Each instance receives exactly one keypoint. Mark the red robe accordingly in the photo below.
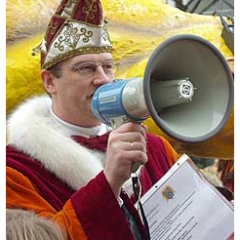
(91, 211)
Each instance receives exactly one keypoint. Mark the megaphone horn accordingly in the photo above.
(187, 89)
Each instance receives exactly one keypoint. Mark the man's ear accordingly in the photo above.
(48, 81)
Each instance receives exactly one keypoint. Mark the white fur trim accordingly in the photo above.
(32, 130)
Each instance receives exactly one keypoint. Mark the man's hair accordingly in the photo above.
(26, 225)
(56, 70)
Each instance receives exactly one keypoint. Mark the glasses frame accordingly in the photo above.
(91, 68)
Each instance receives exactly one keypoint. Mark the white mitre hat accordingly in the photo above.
(76, 28)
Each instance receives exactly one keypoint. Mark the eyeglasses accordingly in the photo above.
(88, 69)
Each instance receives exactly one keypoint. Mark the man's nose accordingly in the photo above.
(100, 77)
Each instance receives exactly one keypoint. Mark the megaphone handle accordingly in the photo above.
(135, 167)
(117, 122)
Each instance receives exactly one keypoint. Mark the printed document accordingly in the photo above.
(184, 205)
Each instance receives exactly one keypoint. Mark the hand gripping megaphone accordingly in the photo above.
(187, 89)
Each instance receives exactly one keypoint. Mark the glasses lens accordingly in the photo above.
(109, 68)
(86, 69)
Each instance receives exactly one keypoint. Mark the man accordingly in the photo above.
(62, 163)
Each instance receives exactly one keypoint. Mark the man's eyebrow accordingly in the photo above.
(109, 59)
(91, 61)
(81, 62)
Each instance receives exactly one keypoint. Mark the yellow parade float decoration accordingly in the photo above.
(136, 28)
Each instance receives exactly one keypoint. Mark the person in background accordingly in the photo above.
(26, 225)
(226, 170)
(62, 162)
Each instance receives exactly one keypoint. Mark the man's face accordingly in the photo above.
(73, 90)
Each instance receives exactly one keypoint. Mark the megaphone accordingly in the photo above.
(187, 89)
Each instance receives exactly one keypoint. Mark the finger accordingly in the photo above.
(136, 156)
(132, 127)
(116, 139)
(135, 146)
(132, 137)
